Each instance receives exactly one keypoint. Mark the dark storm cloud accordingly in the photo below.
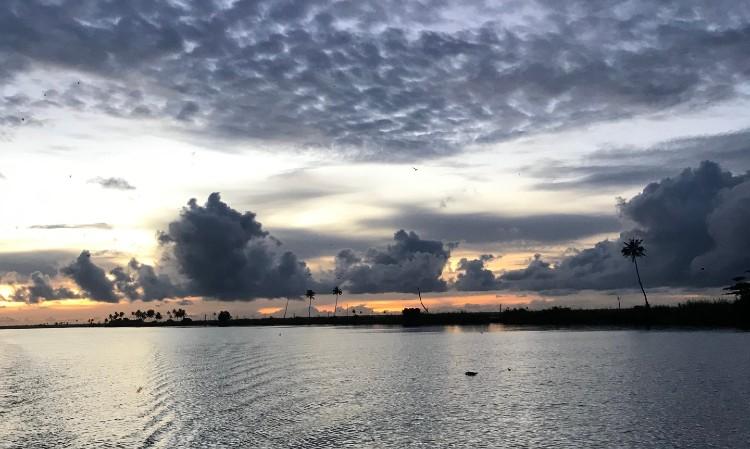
(694, 227)
(141, 281)
(386, 80)
(27, 262)
(474, 277)
(113, 183)
(615, 168)
(40, 289)
(91, 278)
(408, 264)
(489, 228)
(227, 255)
(73, 226)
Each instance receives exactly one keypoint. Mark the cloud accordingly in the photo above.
(113, 183)
(474, 277)
(692, 226)
(491, 228)
(387, 81)
(227, 255)
(40, 289)
(410, 263)
(27, 262)
(616, 168)
(597, 177)
(141, 281)
(91, 279)
(309, 244)
(728, 229)
(73, 226)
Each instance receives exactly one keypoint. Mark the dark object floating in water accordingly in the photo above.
(139, 389)
(508, 369)
(471, 373)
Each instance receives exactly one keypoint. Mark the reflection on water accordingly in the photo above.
(388, 387)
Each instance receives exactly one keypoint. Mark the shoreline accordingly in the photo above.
(695, 315)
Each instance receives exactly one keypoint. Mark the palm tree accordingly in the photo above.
(337, 292)
(310, 295)
(632, 250)
(179, 313)
(419, 292)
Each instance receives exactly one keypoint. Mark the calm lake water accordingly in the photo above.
(373, 388)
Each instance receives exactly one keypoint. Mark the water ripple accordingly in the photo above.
(369, 388)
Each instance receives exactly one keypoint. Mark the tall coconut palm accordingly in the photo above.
(419, 292)
(336, 292)
(310, 295)
(633, 249)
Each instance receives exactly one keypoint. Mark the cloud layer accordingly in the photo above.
(73, 226)
(384, 80)
(491, 228)
(614, 168)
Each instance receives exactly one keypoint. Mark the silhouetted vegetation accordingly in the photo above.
(705, 313)
(411, 316)
(740, 289)
(716, 313)
(336, 292)
(633, 249)
(419, 293)
(310, 295)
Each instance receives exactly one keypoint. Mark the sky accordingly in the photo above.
(230, 155)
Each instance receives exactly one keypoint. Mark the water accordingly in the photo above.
(373, 388)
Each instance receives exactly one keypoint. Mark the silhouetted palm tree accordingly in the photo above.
(179, 313)
(310, 295)
(419, 292)
(337, 292)
(633, 249)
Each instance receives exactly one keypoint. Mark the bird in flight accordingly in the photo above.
(414, 168)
